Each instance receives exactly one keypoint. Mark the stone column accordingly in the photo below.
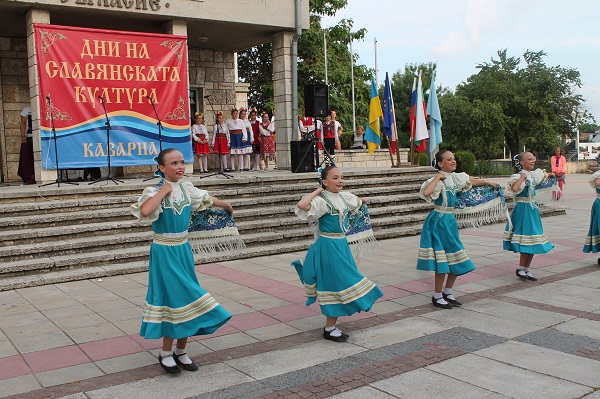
(39, 17)
(282, 91)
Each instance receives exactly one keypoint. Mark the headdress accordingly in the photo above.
(517, 163)
(264, 112)
(234, 110)
(435, 164)
(197, 114)
(218, 113)
(158, 172)
(253, 109)
(320, 170)
(243, 110)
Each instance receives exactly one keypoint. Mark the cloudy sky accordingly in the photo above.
(459, 34)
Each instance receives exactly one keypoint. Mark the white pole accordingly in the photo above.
(376, 74)
(353, 100)
(325, 51)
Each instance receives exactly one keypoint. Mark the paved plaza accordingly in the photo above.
(510, 339)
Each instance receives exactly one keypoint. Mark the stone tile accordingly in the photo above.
(469, 288)
(517, 313)
(75, 396)
(399, 331)
(362, 393)
(196, 349)
(413, 301)
(41, 342)
(134, 312)
(94, 333)
(384, 307)
(482, 322)
(278, 362)
(590, 280)
(13, 366)
(207, 379)
(308, 323)
(228, 341)
(508, 380)
(57, 358)
(68, 374)
(30, 330)
(109, 305)
(7, 349)
(51, 303)
(129, 327)
(127, 362)
(71, 311)
(290, 312)
(563, 295)
(21, 315)
(272, 332)
(16, 385)
(423, 383)
(87, 320)
(545, 361)
(588, 328)
(109, 348)
(252, 320)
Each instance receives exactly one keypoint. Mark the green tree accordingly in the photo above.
(526, 105)
(255, 66)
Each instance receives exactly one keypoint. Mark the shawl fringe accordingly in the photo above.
(214, 230)
(480, 205)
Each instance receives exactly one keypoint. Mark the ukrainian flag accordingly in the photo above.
(373, 134)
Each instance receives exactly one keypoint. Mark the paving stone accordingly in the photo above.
(68, 374)
(553, 339)
(275, 363)
(508, 380)
(207, 379)
(588, 328)
(361, 393)
(126, 362)
(20, 384)
(517, 313)
(424, 383)
(545, 361)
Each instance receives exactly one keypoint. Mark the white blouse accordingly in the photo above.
(319, 207)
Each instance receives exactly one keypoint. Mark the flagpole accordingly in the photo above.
(376, 74)
(325, 55)
(353, 99)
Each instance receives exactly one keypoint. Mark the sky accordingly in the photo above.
(459, 34)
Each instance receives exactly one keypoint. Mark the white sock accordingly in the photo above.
(183, 359)
(439, 298)
(167, 358)
(527, 272)
(334, 331)
(448, 293)
(522, 270)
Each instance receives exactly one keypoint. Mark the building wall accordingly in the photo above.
(14, 96)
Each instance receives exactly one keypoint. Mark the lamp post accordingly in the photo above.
(577, 115)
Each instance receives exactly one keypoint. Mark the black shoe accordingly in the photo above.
(189, 367)
(440, 305)
(599, 261)
(327, 335)
(530, 277)
(521, 276)
(173, 370)
(452, 302)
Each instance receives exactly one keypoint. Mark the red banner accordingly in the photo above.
(100, 84)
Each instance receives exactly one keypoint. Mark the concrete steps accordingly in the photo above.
(54, 234)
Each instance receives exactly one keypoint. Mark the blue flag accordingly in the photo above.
(388, 110)
(435, 121)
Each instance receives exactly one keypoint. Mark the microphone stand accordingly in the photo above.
(159, 124)
(58, 179)
(218, 145)
(107, 123)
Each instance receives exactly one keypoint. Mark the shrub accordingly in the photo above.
(465, 162)
(485, 168)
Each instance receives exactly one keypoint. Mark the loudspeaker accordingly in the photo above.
(303, 156)
(316, 100)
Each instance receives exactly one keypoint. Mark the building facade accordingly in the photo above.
(216, 30)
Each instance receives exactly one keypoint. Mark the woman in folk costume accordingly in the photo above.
(526, 234)
(267, 139)
(200, 142)
(441, 249)
(237, 135)
(247, 142)
(176, 307)
(220, 141)
(254, 124)
(558, 163)
(329, 272)
(592, 241)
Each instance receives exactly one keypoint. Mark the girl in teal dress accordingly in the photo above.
(329, 272)
(440, 249)
(526, 235)
(592, 241)
(176, 306)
